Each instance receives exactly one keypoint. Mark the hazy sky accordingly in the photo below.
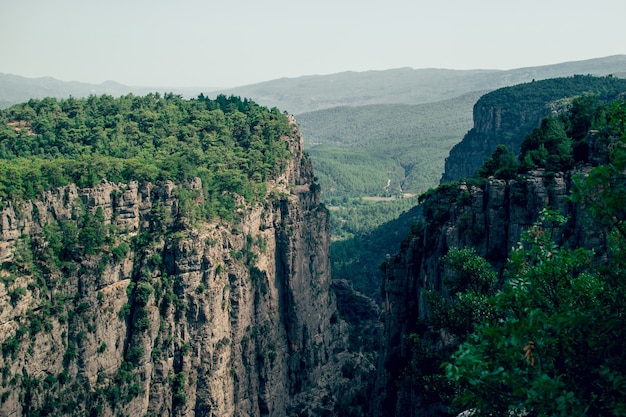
(229, 43)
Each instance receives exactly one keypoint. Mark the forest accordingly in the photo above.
(543, 336)
(229, 143)
(523, 108)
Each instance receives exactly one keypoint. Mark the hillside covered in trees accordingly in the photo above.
(166, 257)
(229, 143)
(516, 279)
(507, 115)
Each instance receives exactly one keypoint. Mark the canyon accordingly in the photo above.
(222, 319)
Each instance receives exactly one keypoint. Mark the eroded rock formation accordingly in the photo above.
(489, 219)
(167, 316)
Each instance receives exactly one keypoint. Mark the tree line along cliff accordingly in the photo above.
(507, 296)
(229, 143)
(505, 116)
(163, 256)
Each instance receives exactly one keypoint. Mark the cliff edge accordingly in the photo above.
(114, 303)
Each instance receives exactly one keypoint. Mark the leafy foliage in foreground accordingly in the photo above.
(231, 144)
(546, 338)
(551, 344)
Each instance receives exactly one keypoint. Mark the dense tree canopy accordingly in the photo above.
(552, 345)
(561, 140)
(230, 143)
(546, 338)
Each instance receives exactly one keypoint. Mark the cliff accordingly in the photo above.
(507, 115)
(489, 219)
(114, 303)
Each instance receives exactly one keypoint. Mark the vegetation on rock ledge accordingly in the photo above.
(545, 339)
(230, 144)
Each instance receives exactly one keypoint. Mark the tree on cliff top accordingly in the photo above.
(553, 346)
(232, 144)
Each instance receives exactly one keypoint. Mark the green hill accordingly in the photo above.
(383, 150)
(230, 144)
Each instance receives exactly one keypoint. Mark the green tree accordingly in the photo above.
(69, 238)
(554, 346)
(548, 146)
(470, 281)
(502, 164)
(92, 234)
(551, 348)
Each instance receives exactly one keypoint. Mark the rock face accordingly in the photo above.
(489, 219)
(507, 115)
(481, 141)
(166, 316)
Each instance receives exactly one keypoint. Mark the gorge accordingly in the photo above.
(164, 315)
(170, 257)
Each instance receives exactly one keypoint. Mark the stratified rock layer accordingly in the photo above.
(192, 319)
(489, 219)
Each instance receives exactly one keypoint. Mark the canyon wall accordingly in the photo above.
(507, 115)
(489, 218)
(145, 311)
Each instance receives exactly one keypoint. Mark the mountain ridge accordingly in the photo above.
(436, 84)
(314, 92)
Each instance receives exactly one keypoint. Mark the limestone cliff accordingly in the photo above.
(507, 115)
(489, 218)
(166, 316)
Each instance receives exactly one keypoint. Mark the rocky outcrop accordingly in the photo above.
(490, 219)
(494, 124)
(506, 116)
(147, 311)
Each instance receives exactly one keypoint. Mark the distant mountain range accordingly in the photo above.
(16, 89)
(408, 86)
(316, 92)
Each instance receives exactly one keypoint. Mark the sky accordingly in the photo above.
(195, 43)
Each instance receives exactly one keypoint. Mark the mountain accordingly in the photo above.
(407, 85)
(16, 89)
(507, 115)
(357, 157)
(174, 260)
